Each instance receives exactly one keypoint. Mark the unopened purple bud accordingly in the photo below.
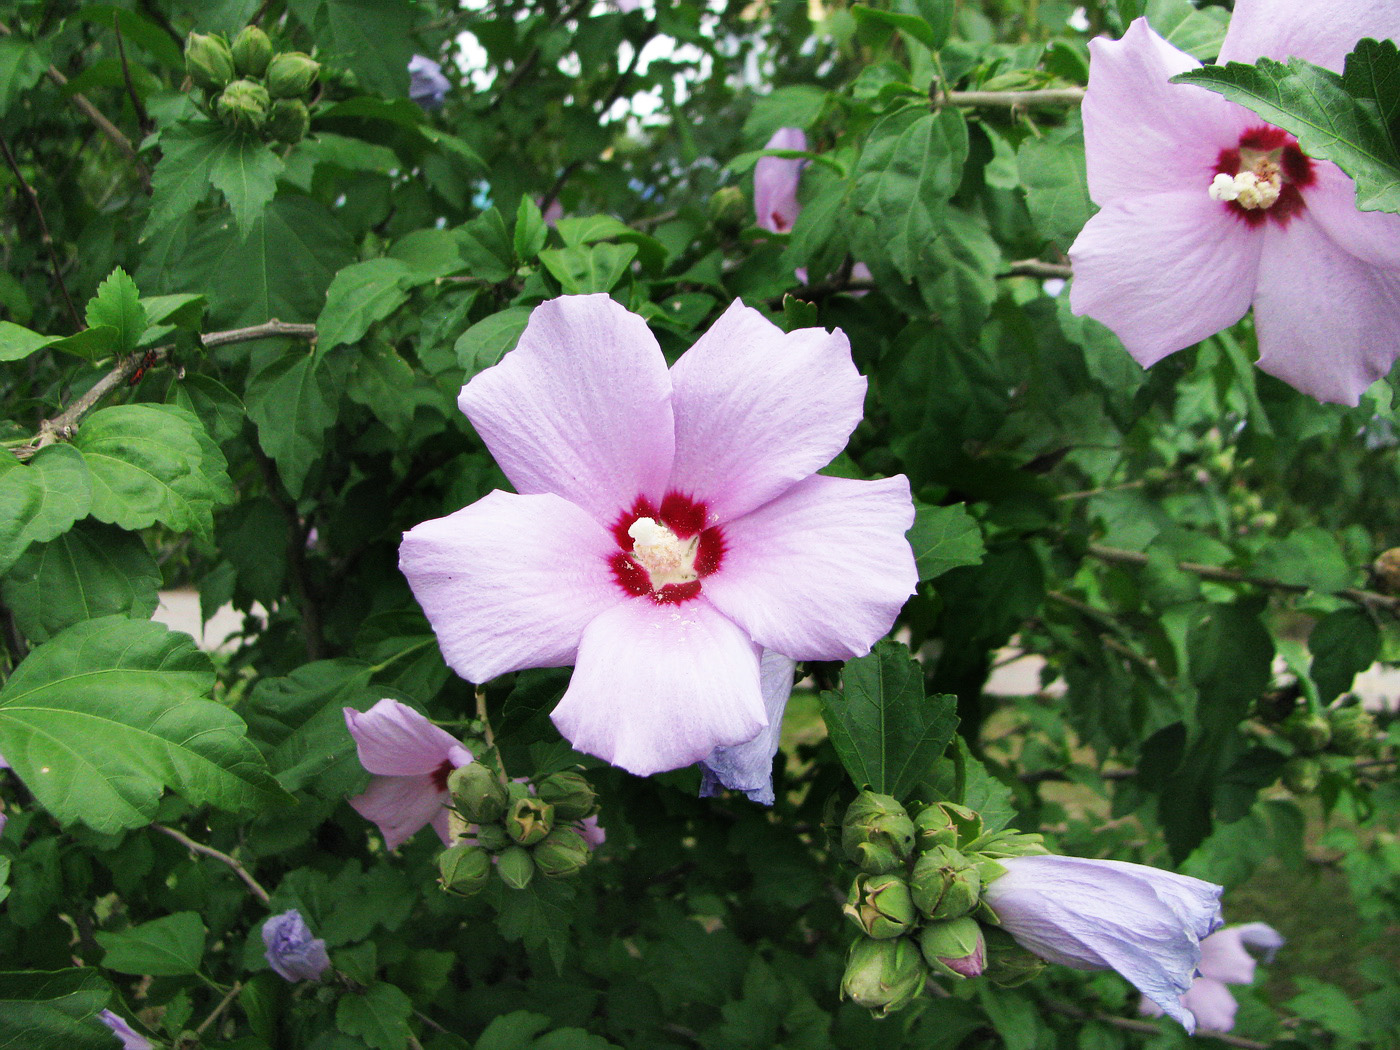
(427, 86)
(775, 181)
(291, 950)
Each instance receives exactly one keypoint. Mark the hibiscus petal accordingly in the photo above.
(820, 572)
(1223, 957)
(748, 767)
(758, 409)
(658, 686)
(1262, 936)
(581, 407)
(1372, 236)
(1143, 134)
(1326, 320)
(510, 582)
(395, 740)
(1321, 32)
(1212, 1004)
(401, 806)
(1164, 271)
(775, 182)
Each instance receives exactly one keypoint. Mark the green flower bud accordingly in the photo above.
(252, 51)
(516, 868)
(569, 793)
(1302, 774)
(1308, 730)
(244, 105)
(883, 975)
(291, 74)
(464, 869)
(476, 791)
(529, 820)
(492, 837)
(945, 884)
(563, 852)
(288, 120)
(1007, 963)
(955, 948)
(729, 208)
(880, 906)
(1353, 730)
(946, 824)
(877, 833)
(1009, 843)
(208, 60)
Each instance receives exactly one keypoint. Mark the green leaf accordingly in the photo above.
(181, 311)
(383, 382)
(1198, 32)
(488, 247)
(487, 341)
(1310, 557)
(41, 499)
(886, 732)
(538, 916)
(1343, 644)
(92, 570)
(198, 154)
(293, 401)
(360, 295)
(118, 304)
(302, 717)
(244, 170)
(21, 66)
(91, 344)
(530, 230)
(791, 106)
(153, 463)
(598, 268)
(378, 1015)
(1347, 119)
(172, 946)
(915, 26)
(102, 717)
(1053, 171)
(373, 37)
(512, 1031)
(912, 163)
(18, 342)
(54, 1010)
(944, 538)
(211, 401)
(958, 274)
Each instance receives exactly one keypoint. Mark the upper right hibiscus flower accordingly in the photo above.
(1207, 210)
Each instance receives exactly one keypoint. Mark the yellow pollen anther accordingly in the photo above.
(1258, 185)
(665, 557)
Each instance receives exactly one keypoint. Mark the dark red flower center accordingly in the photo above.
(1263, 177)
(664, 552)
(441, 774)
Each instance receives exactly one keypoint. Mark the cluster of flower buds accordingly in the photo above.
(519, 830)
(251, 87)
(1317, 736)
(917, 900)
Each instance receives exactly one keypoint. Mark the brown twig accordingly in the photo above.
(142, 117)
(1010, 99)
(210, 851)
(266, 330)
(44, 234)
(1037, 268)
(223, 1005)
(528, 64)
(1128, 1024)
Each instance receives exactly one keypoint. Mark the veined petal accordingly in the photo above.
(758, 409)
(401, 806)
(1321, 31)
(510, 581)
(395, 740)
(775, 182)
(1212, 1004)
(748, 767)
(1223, 957)
(1143, 134)
(820, 572)
(1326, 320)
(659, 686)
(1165, 271)
(1262, 936)
(580, 408)
(1371, 236)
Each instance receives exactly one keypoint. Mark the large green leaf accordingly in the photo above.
(581, 270)
(293, 401)
(101, 718)
(1347, 119)
(21, 66)
(117, 304)
(41, 499)
(171, 946)
(153, 463)
(18, 342)
(1052, 169)
(372, 37)
(361, 294)
(886, 732)
(53, 1010)
(378, 1015)
(944, 538)
(487, 341)
(198, 154)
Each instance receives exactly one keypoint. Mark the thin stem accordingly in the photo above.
(528, 64)
(142, 117)
(209, 851)
(401, 654)
(486, 732)
(44, 234)
(1010, 99)
(1145, 1027)
(223, 1005)
(1037, 268)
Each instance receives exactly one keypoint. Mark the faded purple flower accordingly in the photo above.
(1105, 914)
(592, 832)
(291, 950)
(427, 86)
(131, 1039)
(411, 760)
(1224, 961)
(1207, 210)
(669, 527)
(775, 182)
(748, 767)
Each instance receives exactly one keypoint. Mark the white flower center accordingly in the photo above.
(1257, 185)
(666, 558)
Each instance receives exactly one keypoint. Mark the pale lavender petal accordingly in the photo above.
(1321, 31)
(510, 582)
(292, 951)
(427, 86)
(131, 1039)
(3, 821)
(1262, 936)
(821, 572)
(1326, 321)
(1223, 957)
(775, 182)
(395, 740)
(1165, 271)
(748, 767)
(1212, 1004)
(758, 410)
(1371, 236)
(1144, 135)
(580, 408)
(593, 833)
(1091, 914)
(401, 806)
(660, 686)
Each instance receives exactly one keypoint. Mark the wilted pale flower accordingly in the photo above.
(594, 834)
(131, 1040)
(291, 950)
(427, 86)
(669, 527)
(748, 767)
(1207, 210)
(411, 760)
(1223, 961)
(1105, 914)
(775, 181)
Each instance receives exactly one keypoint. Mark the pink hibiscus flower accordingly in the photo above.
(669, 526)
(411, 760)
(1207, 210)
(775, 182)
